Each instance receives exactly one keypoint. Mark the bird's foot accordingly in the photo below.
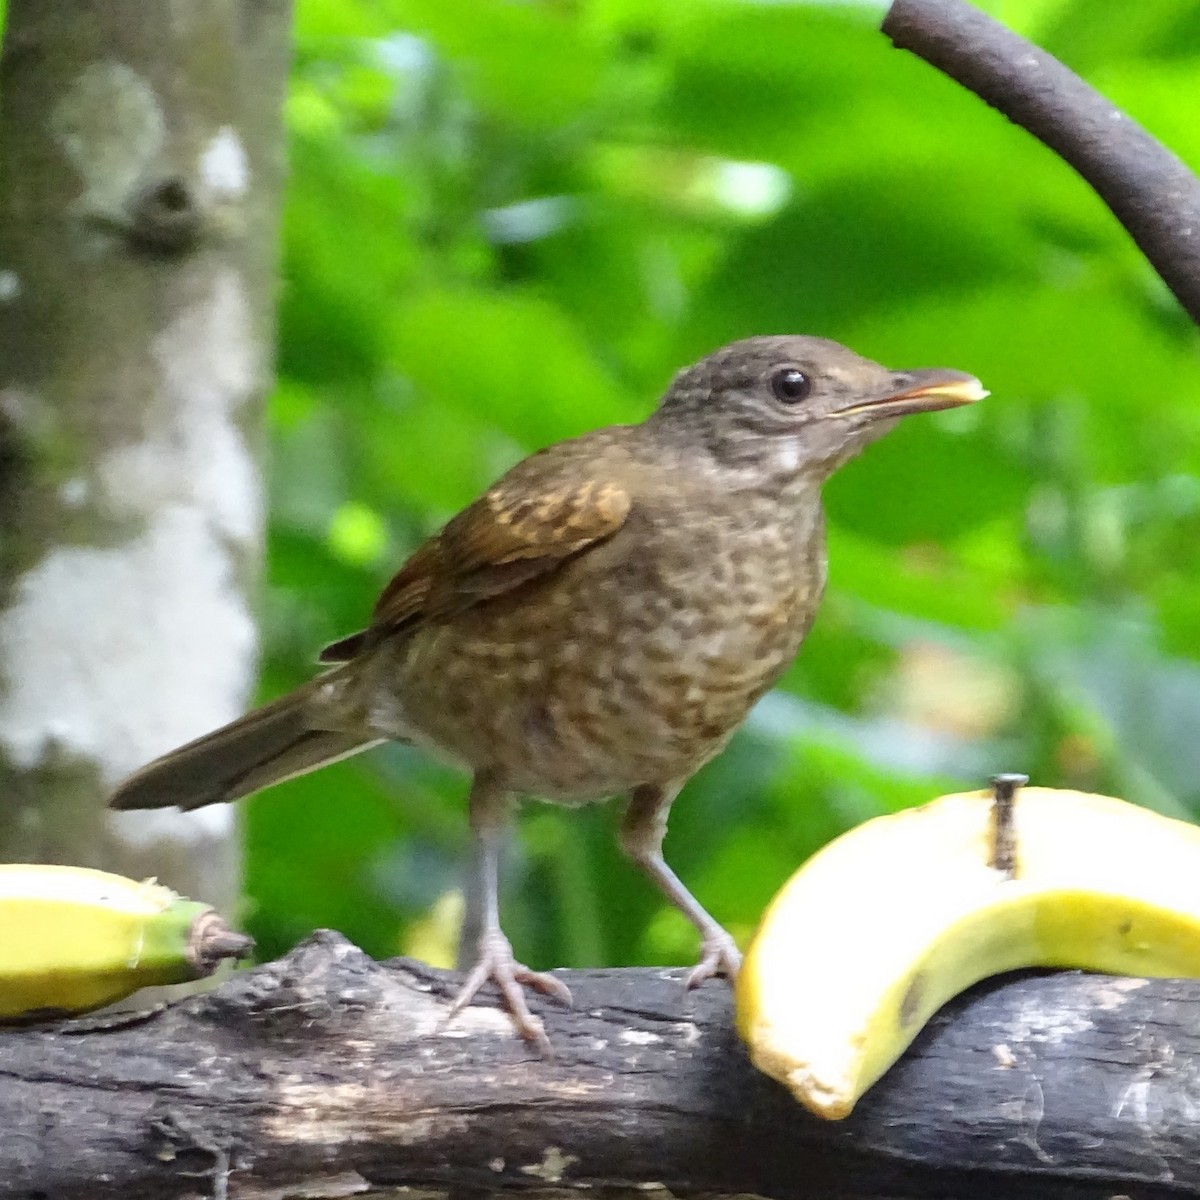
(719, 955)
(496, 962)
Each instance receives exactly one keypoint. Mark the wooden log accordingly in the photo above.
(328, 1074)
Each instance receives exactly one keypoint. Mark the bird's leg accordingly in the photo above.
(475, 892)
(490, 808)
(642, 831)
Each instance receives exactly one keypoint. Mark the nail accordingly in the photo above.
(1004, 835)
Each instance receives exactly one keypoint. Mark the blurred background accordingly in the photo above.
(507, 223)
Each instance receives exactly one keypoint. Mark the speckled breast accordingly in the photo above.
(633, 663)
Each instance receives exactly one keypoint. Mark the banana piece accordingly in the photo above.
(73, 939)
(888, 922)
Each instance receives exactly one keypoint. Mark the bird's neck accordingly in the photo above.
(773, 467)
(739, 497)
(739, 460)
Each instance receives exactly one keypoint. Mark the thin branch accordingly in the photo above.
(1154, 195)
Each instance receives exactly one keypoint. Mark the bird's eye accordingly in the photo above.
(790, 385)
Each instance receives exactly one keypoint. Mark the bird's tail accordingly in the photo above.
(265, 747)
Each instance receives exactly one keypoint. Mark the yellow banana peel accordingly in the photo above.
(74, 939)
(885, 924)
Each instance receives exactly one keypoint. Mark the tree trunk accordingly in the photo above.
(142, 156)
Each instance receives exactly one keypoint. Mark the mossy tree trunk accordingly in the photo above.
(141, 148)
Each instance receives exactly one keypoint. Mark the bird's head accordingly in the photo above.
(794, 404)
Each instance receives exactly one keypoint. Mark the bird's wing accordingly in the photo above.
(540, 514)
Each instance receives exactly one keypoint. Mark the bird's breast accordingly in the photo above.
(632, 663)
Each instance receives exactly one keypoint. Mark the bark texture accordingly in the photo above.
(326, 1074)
(142, 156)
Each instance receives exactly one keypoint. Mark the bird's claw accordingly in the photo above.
(496, 963)
(719, 955)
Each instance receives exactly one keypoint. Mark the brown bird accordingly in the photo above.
(599, 621)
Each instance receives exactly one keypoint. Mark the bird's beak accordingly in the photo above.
(921, 391)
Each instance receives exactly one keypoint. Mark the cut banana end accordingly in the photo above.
(73, 939)
(888, 922)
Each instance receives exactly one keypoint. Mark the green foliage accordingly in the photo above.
(509, 222)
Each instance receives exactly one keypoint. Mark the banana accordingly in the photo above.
(888, 922)
(74, 939)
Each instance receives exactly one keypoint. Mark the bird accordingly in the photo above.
(599, 622)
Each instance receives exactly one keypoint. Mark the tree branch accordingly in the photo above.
(1154, 195)
(327, 1074)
